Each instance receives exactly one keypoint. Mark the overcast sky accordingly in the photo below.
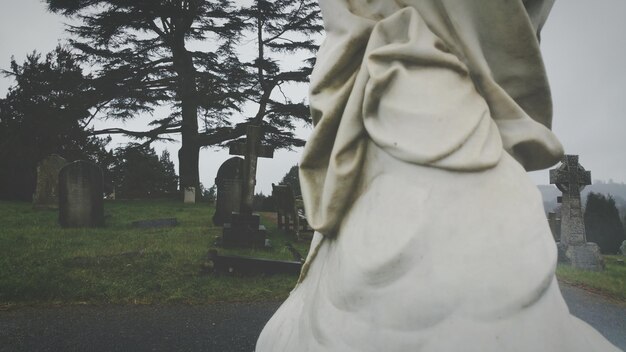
(584, 47)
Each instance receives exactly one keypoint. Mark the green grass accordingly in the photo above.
(41, 263)
(611, 282)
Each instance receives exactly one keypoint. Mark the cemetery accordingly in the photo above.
(141, 207)
(126, 262)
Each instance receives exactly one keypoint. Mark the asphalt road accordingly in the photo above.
(216, 327)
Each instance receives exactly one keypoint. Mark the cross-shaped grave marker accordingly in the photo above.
(570, 178)
(245, 228)
(251, 150)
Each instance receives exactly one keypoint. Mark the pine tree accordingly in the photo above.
(141, 51)
(292, 178)
(169, 183)
(45, 112)
(281, 28)
(139, 173)
(602, 223)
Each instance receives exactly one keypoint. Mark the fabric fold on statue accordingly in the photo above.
(399, 94)
(420, 104)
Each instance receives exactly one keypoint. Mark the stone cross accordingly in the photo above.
(570, 178)
(251, 150)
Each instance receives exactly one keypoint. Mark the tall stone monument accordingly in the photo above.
(229, 182)
(46, 193)
(81, 191)
(245, 228)
(570, 178)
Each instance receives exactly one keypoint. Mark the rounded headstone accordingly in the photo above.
(229, 182)
(81, 190)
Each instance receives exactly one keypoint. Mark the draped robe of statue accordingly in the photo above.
(430, 235)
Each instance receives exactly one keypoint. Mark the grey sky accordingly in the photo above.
(584, 46)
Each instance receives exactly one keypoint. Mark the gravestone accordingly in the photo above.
(189, 196)
(245, 228)
(229, 182)
(46, 192)
(81, 191)
(570, 178)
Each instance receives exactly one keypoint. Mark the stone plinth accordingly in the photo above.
(244, 231)
(583, 256)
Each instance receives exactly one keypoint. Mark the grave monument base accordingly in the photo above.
(582, 256)
(244, 230)
(230, 264)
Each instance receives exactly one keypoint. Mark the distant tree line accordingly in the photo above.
(137, 172)
(47, 111)
(140, 55)
(262, 202)
(144, 58)
(603, 224)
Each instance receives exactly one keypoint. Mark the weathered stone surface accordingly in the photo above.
(46, 193)
(244, 228)
(229, 182)
(570, 178)
(622, 248)
(81, 190)
(252, 149)
(189, 195)
(585, 256)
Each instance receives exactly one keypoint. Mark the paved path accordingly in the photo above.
(608, 318)
(215, 327)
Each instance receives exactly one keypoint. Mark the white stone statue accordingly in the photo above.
(430, 235)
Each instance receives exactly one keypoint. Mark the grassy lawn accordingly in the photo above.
(40, 263)
(611, 282)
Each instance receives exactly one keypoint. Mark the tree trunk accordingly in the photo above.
(189, 152)
(188, 167)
